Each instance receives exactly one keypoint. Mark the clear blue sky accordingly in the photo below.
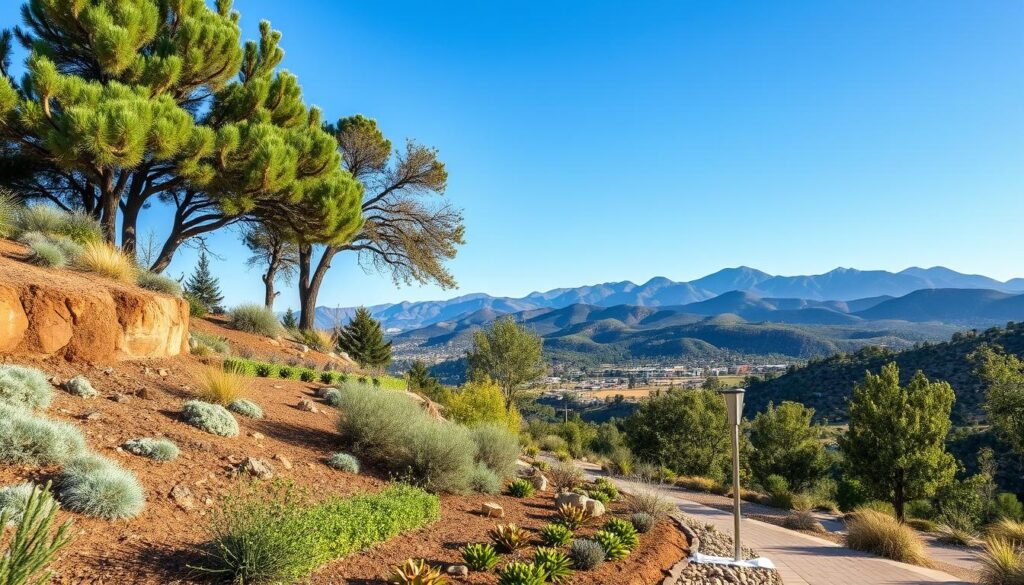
(591, 141)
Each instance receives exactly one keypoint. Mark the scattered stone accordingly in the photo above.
(257, 435)
(144, 393)
(80, 386)
(306, 405)
(258, 468)
(540, 483)
(233, 460)
(575, 499)
(120, 398)
(274, 342)
(108, 370)
(182, 496)
(303, 349)
(458, 570)
(322, 392)
(492, 510)
(162, 372)
(595, 509)
(93, 415)
(56, 381)
(285, 462)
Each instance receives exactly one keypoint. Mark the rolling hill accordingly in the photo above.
(843, 290)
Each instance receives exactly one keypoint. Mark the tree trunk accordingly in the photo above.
(129, 223)
(899, 498)
(309, 282)
(109, 202)
(268, 284)
(163, 260)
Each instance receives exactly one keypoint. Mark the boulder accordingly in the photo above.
(458, 570)
(492, 510)
(258, 468)
(578, 500)
(80, 386)
(306, 405)
(594, 508)
(182, 496)
(540, 483)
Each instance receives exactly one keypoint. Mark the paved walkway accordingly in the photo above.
(806, 560)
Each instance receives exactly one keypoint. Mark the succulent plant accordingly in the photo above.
(508, 537)
(480, 557)
(556, 564)
(520, 488)
(624, 530)
(572, 516)
(517, 573)
(614, 549)
(414, 572)
(556, 535)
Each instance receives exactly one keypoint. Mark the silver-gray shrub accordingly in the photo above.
(246, 408)
(155, 449)
(80, 386)
(256, 319)
(343, 462)
(159, 283)
(43, 252)
(484, 480)
(13, 499)
(212, 418)
(24, 387)
(496, 447)
(586, 554)
(31, 440)
(95, 486)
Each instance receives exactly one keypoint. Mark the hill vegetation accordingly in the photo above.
(826, 384)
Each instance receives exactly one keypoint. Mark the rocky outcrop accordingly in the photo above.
(84, 317)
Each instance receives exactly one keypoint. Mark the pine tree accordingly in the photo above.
(896, 443)
(421, 381)
(363, 340)
(204, 287)
(289, 320)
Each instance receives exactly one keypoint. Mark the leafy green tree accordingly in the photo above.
(508, 354)
(479, 402)
(1003, 375)
(203, 286)
(895, 444)
(684, 430)
(363, 340)
(787, 444)
(409, 230)
(288, 320)
(420, 380)
(129, 101)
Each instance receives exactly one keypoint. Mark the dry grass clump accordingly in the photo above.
(106, 260)
(1011, 531)
(802, 519)
(220, 385)
(1002, 563)
(876, 532)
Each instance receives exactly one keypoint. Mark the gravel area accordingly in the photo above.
(713, 542)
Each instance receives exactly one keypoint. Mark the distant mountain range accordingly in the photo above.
(843, 295)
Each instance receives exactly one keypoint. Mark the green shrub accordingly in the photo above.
(255, 319)
(556, 564)
(264, 370)
(519, 573)
(922, 525)
(1007, 506)
(34, 543)
(778, 492)
(45, 252)
(394, 432)
(520, 488)
(196, 307)
(286, 372)
(555, 535)
(614, 548)
(328, 377)
(332, 396)
(307, 375)
(159, 283)
(31, 440)
(212, 418)
(879, 506)
(80, 227)
(80, 386)
(599, 496)
(876, 532)
(24, 387)
(343, 462)
(850, 494)
(95, 486)
(624, 530)
(44, 219)
(484, 480)
(155, 449)
(246, 408)
(586, 554)
(9, 209)
(496, 447)
(1001, 564)
(605, 485)
(479, 557)
(553, 443)
(919, 509)
(643, 522)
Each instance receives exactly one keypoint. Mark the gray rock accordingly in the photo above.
(458, 570)
(492, 510)
(306, 405)
(80, 386)
(540, 483)
(182, 496)
(594, 508)
(258, 468)
(575, 499)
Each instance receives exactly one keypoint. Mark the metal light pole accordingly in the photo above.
(734, 409)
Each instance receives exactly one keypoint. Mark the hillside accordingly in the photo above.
(826, 384)
(843, 290)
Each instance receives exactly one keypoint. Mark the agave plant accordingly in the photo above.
(480, 557)
(556, 564)
(572, 516)
(516, 573)
(624, 530)
(556, 535)
(520, 488)
(614, 550)
(509, 537)
(414, 572)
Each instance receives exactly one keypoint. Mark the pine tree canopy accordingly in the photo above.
(363, 340)
(125, 100)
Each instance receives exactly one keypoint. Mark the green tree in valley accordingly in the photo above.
(203, 286)
(895, 444)
(1003, 376)
(409, 230)
(288, 320)
(787, 444)
(363, 340)
(508, 354)
(125, 102)
(420, 380)
(684, 430)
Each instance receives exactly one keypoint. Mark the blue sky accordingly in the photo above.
(592, 141)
